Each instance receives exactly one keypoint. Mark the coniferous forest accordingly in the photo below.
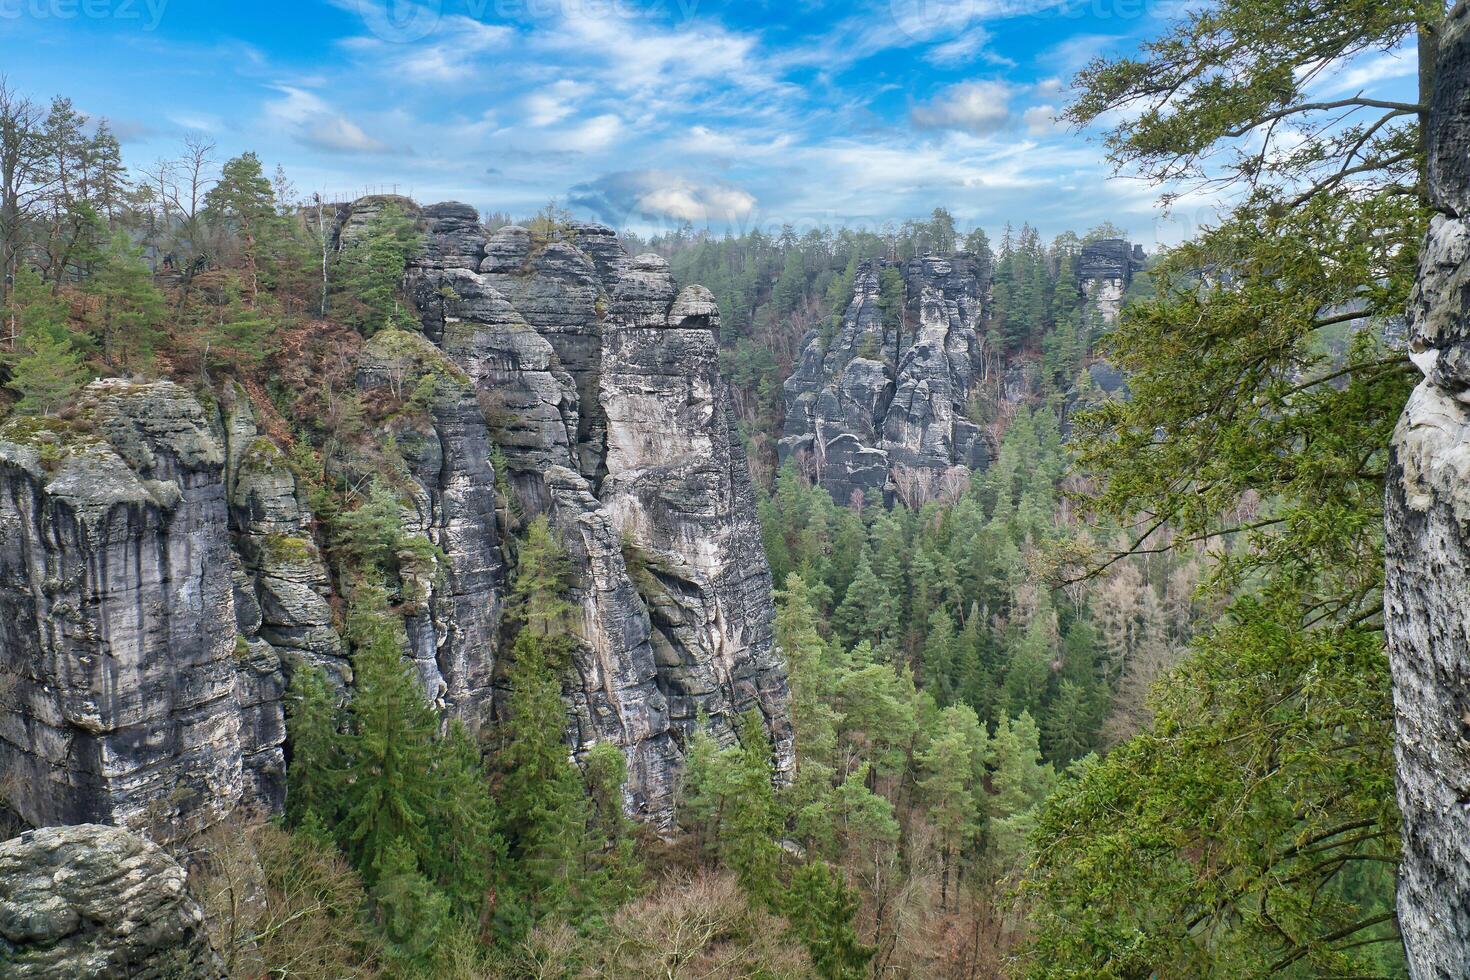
(449, 594)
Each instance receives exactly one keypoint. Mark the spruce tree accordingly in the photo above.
(544, 809)
(466, 848)
(388, 794)
(412, 915)
(314, 775)
(820, 908)
(130, 309)
(752, 823)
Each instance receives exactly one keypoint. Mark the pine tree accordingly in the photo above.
(244, 201)
(47, 374)
(948, 782)
(314, 776)
(371, 269)
(820, 908)
(752, 824)
(388, 793)
(131, 307)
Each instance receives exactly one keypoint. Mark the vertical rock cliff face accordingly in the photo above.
(160, 576)
(1427, 602)
(129, 694)
(601, 388)
(1105, 269)
(881, 407)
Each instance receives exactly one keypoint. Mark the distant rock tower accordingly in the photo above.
(1104, 270)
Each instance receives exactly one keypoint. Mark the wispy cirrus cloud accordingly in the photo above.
(314, 123)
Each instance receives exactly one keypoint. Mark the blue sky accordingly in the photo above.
(643, 113)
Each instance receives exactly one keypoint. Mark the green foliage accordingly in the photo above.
(388, 796)
(313, 779)
(558, 867)
(130, 309)
(411, 809)
(47, 374)
(370, 270)
(751, 824)
(1266, 774)
(243, 201)
(412, 915)
(821, 908)
(891, 299)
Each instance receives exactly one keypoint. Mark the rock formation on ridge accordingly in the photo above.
(880, 407)
(600, 384)
(1105, 269)
(160, 573)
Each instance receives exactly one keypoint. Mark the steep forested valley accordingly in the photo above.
(399, 589)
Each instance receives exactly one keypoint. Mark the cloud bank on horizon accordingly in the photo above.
(645, 114)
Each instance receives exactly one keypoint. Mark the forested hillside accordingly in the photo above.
(461, 595)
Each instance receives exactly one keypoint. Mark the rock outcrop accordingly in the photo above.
(160, 575)
(1428, 553)
(1105, 269)
(127, 693)
(600, 387)
(85, 902)
(880, 407)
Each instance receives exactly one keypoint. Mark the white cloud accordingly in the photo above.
(965, 48)
(597, 133)
(452, 52)
(692, 203)
(1366, 73)
(313, 122)
(552, 104)
(1041, 120)
(658, 195)
(973, 107)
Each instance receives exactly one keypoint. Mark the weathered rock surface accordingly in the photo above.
(97, 902)
(160, 575)
(129, 695)
(454, 616)
(1427, 599)
(881, 408)
(1105, 269)
(601, 388)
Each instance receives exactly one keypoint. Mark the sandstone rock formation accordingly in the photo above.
(1105, 269)
(160, 574)
(601, 388)
(1428, 553)
(880, 407)
(129, 694)
(85, 902)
